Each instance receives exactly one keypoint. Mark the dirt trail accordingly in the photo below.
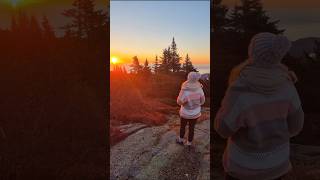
(151, 153)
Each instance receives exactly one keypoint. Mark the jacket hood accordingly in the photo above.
(191, 86)
(267, 49)
(264, 80)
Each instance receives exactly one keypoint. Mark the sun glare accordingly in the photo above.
(114, 60)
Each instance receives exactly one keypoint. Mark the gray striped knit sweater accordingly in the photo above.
(260, 112)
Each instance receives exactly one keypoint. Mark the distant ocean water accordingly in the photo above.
(203, 68)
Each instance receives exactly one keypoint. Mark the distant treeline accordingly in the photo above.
(169, 63)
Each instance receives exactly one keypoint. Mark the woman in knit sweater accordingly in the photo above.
(260, 112)
(190, 99)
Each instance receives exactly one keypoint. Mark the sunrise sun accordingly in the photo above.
(114, 60)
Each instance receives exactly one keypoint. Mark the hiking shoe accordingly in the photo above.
(189, 144)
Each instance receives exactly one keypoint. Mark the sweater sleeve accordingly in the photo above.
(295, 122)
(181, 98)
(295, 118)
(227, 121)
(202, 98)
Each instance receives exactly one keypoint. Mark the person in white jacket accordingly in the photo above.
(190, 99)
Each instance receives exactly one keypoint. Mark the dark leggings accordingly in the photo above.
(184, 122)
(228, 177)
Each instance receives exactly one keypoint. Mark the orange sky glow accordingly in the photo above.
(144, 29)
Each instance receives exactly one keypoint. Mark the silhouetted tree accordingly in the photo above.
(165, 59)
(136, 67)
(174, 59)
(146, 68)
(248, 19)
(87, 23)
(187, 65)
(156, 65)
(220, 19)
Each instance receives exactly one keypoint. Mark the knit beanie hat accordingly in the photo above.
(194, 76)
(267, 49)
(192, 82)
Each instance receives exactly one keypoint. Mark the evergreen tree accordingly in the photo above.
(136, 67)
(187, 65)
(48, 31)
(246, 20)
(220, 19)
(165, 59)
(156, 65)
(174, 63)
(87, 22)
(250, 18)
(146, 68)
(223, 37)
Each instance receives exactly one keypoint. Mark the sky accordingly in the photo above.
(144, 29)
(38, 8)
(300, 18)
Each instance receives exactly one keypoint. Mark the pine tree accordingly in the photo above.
(174, 63)
(165, 59)
(248, 19)
(136, 67)
(86, 21)
(146, 68)
(48, 31)
(169, 59)
(156, 65)
(220, 19)
(187, 65)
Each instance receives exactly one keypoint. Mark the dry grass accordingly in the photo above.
(129, 102)
(133, 101)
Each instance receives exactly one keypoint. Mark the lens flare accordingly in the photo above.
(114, 60)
